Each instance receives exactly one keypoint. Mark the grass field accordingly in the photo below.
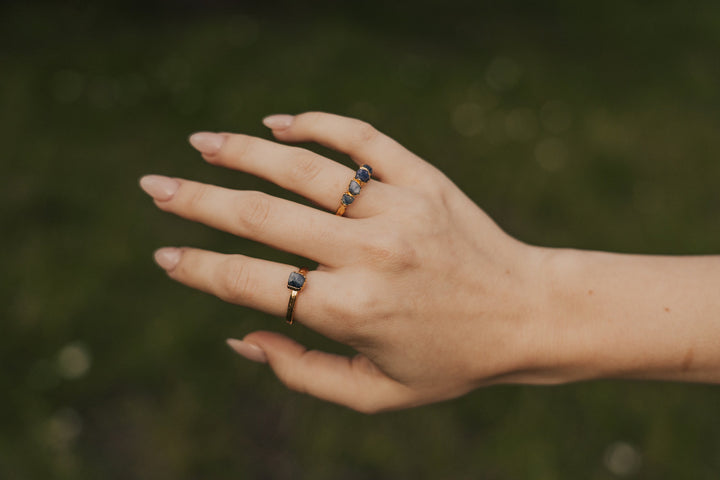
(572, 124)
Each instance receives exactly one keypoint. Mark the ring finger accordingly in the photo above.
(247, 281)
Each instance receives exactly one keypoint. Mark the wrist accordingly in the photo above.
(558, 342)
(565, 317)
(536, 346)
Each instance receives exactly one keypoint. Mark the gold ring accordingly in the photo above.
(362, 176)
(296, 282)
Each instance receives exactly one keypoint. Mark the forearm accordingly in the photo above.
(632, 316)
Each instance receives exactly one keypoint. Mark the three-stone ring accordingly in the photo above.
(362, 176)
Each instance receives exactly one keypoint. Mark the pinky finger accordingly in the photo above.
(353, 382)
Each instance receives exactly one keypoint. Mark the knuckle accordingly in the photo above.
(311, 116)
(236, 282)
(358, 312)
(198, 197)
(440, 185)
(292, 381)
(391, 250)
(364, 306)
(254, 211)
(366, 133)
(240, 146)
(433, 187)
(357, 309)
(291, 374)
(306, 167)
(423, 207)
(426, 208)
(447, 198)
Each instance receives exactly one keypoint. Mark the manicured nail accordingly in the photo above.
(167, 257)
(248, 350)
(159, 187)
(278, 122)
(207, 142)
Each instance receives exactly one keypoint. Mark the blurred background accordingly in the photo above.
(576, 124)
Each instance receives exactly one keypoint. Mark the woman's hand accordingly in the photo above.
(436, 299)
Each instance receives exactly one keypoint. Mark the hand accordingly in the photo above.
(435, 297)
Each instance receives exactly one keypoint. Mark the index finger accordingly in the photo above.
(391, 162)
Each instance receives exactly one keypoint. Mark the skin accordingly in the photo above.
(440, 300)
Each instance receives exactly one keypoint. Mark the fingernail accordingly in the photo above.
(207, 142)
(248, 350)
(278, 122)
(159, 187)
(167, 257)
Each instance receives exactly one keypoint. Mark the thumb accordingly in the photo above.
(354, 382)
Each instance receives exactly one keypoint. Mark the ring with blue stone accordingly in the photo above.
(296, 282)
(362, 176)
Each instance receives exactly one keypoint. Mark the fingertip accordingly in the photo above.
(274, 343)
(278, 122)
(167, 257)
(159, 187)
(248, 350)
(207, 143)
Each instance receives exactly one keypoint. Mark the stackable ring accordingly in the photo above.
(296, 282)
(362, 176)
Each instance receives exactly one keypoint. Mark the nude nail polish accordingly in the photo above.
(167, 257)
(207, 142)
(278, 122)
(247, 350)
(159, 187)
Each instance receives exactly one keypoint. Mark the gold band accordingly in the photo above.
(294, 290)
(291, 307)
(341, 209)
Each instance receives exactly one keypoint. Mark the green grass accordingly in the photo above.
(591, 126)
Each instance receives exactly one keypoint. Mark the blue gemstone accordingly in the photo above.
(347, 199)
(295, 281)
(354, 187)
(362, 175)
(369, 168)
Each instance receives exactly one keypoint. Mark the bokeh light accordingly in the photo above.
(622, 459)
(74, 361)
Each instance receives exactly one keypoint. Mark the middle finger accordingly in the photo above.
(258, 216)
